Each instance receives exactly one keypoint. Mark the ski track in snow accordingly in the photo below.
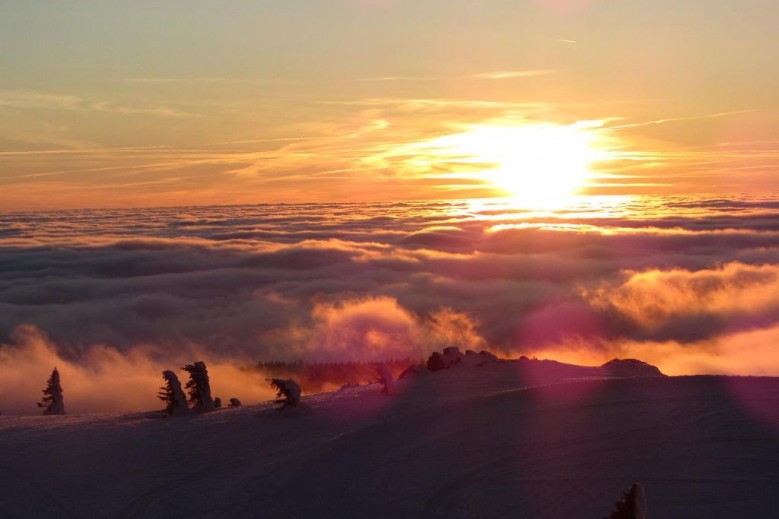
(464, 443)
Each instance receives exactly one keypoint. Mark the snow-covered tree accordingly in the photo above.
(53, 400)
(172, 394)
(287, 392)
(632, 504)
(385, 379)
(198, 387)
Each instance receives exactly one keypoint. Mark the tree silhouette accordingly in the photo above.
(632, 504)
(288, 392)
(198, 387)
(172, 394)
(52, 400)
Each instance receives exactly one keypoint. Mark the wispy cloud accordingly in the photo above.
(498, 75)
(374, 147)
(684, 119)
(202, 80)
(48, 101)
(26, 99)
(512, 74)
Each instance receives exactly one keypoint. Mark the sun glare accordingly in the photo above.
(541, 165)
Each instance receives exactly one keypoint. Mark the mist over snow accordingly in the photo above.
(688, 284)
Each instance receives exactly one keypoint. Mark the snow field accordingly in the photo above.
(488, 442)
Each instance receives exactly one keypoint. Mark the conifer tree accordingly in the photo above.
(632, 504)
(198, 387)
(53, 401)
(172, 394)
(288, 392)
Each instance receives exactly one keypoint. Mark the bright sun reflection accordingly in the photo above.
(541, 165)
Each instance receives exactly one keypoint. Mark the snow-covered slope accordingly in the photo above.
(498, 440)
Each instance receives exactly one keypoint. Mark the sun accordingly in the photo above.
(541, 165)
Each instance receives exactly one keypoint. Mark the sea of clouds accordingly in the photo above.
(112, 297)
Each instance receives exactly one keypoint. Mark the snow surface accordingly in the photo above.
(535, 439)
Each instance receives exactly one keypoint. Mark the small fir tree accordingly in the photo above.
(287, 392)
(53, 401)
(172, 394)
(198, 387)
(632, 504)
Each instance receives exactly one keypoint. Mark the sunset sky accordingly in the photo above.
(127, 104)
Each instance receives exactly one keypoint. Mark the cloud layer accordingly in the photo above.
(669, 279)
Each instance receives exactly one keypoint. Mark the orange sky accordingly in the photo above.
(201, 103)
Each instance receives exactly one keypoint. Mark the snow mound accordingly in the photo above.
(631, 368)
